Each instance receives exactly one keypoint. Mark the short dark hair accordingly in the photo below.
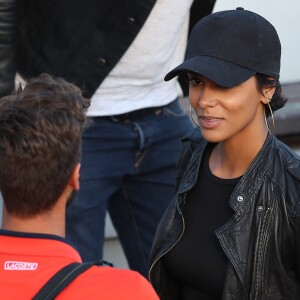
(40, 140)
(278, 100)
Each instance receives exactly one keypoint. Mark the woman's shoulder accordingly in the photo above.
(193, 136)
(286, 174)
(290, 159)
(190, 142)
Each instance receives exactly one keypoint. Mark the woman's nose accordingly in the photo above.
(207, 98)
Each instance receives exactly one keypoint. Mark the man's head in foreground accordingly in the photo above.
(40, 138)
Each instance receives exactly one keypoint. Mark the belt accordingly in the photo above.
(136, 114)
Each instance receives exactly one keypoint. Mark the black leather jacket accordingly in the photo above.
(261, 240)
(79, 40)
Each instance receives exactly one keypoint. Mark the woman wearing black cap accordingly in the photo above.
(233, 229)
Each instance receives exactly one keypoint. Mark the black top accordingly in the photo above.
(197, 261)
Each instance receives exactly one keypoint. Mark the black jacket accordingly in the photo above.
(79, 40)
(261, 240)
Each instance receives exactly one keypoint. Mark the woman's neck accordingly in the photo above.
(231, 159)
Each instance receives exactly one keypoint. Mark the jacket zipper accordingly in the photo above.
(264, 239)
(232, 262)
(169, 249)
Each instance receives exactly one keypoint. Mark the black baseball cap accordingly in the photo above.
(228, 47)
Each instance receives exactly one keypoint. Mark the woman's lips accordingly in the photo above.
(209, 122)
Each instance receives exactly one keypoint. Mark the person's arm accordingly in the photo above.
(8, 16)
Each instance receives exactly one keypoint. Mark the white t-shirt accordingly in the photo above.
(137, 80)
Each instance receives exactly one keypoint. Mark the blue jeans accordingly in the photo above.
(128, 168)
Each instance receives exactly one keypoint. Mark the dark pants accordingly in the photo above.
(128, 167)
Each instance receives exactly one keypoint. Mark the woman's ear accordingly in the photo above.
(268, 93)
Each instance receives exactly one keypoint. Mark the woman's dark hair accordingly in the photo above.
(278, 100)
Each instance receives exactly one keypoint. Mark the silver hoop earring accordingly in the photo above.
(273, 121)
(191, 116)
(267, 125)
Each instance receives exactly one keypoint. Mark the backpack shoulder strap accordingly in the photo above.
(63, 278)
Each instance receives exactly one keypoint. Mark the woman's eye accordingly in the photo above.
(195, 81)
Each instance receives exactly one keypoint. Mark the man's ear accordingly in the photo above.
(74, 179)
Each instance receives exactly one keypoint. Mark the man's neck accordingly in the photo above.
(52, 222)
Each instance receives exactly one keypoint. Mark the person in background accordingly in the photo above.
(232, 230)
(117, 52)
(40, 142)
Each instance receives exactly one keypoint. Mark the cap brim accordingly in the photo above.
(223, 73)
